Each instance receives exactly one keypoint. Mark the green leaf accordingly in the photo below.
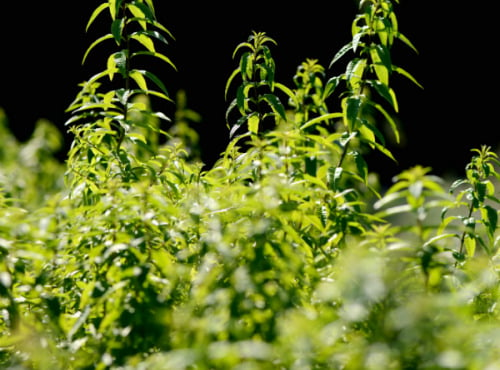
(322, 118)
(490, 215)
(389, 120)
(242, 45)
(116, 29)
(405, 40)
(246, 66)
(139, 10)
(382, 67)
(95, 13)
(95, 43)
(154, 34)
(361, 166)
(275, 105)
(112, 8)
(354, 73)
(144, 40)
(284, 89)
(351, 107)
(344, 50)
(407, 75)
(156, 55)
(138, 77)
(152, 77)
(385, 92)
(470, 245)
(235, 73)
(253, 123)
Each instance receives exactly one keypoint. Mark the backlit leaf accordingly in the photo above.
(94, 44)
(95, 13)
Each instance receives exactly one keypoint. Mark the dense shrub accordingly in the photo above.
(286, 254)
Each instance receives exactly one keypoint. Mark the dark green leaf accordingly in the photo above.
(275, 105)
(116, 29)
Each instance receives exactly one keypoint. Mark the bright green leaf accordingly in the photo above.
(253, 123)
(145, 40)
(138, 77)
(95, 13)
(95, 43)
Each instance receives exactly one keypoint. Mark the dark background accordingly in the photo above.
(42, 44)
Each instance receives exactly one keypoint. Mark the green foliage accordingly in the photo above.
(286, 254)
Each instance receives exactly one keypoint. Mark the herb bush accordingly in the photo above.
(286, 254)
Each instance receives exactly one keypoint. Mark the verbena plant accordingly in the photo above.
(286, 254)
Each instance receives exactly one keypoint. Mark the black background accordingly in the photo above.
(42, 44)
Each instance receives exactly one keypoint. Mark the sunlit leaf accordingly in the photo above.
(138, 77)
(95, 13)
(145, 40)
(94, 44)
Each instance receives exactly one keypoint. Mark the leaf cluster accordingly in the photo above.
(286, 254)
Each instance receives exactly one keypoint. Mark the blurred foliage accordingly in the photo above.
(286, 254)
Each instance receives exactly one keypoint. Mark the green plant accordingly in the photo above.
(286, 254)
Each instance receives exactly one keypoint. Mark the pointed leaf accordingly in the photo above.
(144, 40)
(407, 75)
(351, 107)
(152, 77)
(344, 50)
(229, 81)
(275, 105)
(385, 92)
(138, 77)
(156, 55)
(405, 40)
(95, 13)
(322, 118)
(138, 13)
(116, 29)
(112, 8)
(389, 120)
(95, 43)
(253, 123)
